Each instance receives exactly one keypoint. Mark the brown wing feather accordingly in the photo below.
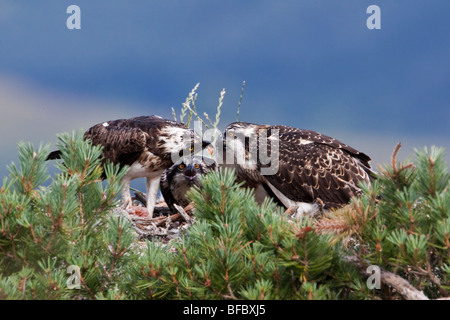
(120, 144)
(152, 126)
(298, 136)
(124, 140)
(164, 186)
(314, 166)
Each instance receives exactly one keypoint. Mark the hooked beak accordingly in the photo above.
(208, 146)
(190, 172)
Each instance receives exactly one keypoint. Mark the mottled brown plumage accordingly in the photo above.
(124, 140)
(314, 171)
(147, 144)
(181, 177)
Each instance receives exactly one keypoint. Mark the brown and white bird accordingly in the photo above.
(181, 177)
(148, 145)
(296, 167)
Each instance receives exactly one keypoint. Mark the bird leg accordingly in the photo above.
(152, 191)
(128, 201)
(126, 196)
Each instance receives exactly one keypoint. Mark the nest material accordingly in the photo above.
(164, 226)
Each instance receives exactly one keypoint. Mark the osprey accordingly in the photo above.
(181, 177)
(297, 168)
(147, 144)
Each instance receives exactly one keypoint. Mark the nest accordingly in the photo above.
(164, 226)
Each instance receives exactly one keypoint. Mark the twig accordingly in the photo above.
(189, 99)
(140, 196)
(240, 101)
(161, 221)
(394, 156)
(174, 114)
(196, 114)
(183, 213)
(401, 285)
(231, 295)
(219, 107)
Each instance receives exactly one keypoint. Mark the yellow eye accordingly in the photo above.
(181, 166)
(191, 149)
(197, 166)
(230, 134)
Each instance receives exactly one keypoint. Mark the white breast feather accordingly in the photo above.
(173, 138)
(138, 170)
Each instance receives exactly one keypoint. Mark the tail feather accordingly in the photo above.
(54, 155)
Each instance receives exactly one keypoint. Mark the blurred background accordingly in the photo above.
(310, 64)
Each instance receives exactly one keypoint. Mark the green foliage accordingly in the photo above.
(237, 250)
(402, 223)
(45, 229)
(64, 237)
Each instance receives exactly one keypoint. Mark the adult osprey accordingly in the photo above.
(295, 167)
(182, 176)
(147, 144)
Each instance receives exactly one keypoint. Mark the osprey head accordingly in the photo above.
(182, 142)
(177, 180)
(240, 141)
(241, 129)
(189, 171)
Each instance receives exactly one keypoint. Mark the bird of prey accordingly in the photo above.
(148, 145)
(296, 167)
(182, 176)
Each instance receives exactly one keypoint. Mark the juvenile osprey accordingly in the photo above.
(181, 177)
(147, 144)
(295, 167)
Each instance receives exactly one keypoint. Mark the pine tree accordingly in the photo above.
(65, 237)
(237, 250)
(402, 224)
(47, 229)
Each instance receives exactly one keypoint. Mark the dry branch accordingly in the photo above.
(388, 278)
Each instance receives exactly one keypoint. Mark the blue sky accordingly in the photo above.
(310, 64)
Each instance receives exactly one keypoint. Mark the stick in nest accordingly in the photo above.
(182, 213)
